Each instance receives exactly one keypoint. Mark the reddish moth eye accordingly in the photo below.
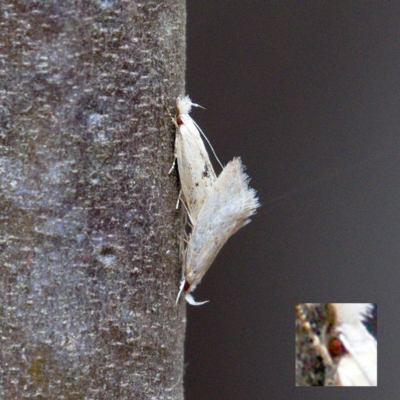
(336, 348)
(186, 287)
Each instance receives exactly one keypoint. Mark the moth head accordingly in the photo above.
(184, 105)
(186, 288)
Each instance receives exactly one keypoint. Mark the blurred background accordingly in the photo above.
(308, 94)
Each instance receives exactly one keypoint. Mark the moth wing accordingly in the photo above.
(359, 366)
(227, 208)
(352, 312)
(196, 172)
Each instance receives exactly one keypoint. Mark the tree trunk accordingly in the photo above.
(89, 265)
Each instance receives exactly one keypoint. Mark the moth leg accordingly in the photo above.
(172, 166)
(179, 199)
(172, 118)
(316, 341)
(177, 126)
(189, 221)
(181, 287)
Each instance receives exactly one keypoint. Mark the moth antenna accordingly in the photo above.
(208, 142)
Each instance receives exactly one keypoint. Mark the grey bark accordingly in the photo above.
(89, 264)
(313, 321)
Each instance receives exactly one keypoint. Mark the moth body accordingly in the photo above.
(196, 172)
(215, 208)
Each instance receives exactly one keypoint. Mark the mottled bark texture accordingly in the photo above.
(89, 265)
(314, 366)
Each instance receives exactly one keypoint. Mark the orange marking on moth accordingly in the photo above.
(336, 348)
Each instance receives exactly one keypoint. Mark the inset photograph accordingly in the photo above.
(336, 344)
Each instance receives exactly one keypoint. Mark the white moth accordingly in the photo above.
(226, 208)
(196, 172)
(358, 367)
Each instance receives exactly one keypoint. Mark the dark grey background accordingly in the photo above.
(309, 96)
